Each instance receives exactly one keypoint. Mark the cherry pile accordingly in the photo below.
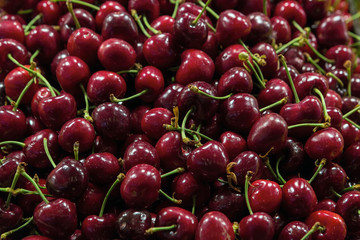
(173, 119)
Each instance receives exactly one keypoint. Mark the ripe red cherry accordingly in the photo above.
(351, 161)
(235, 80)
(281, 30)
(102, 168)
(214, 225)
(95, 228)
(259, 225)
(332, 31)
(13, 30)
(348, 207)
(140, 152)
(148, 8)
(105, 9)
(150, 79)
(244, 162)
(12, 123)
(132, 223)
(293, 230)
(265, 196)
(50, 11)
(152, 122)
(16, 49)
(233, 143)
(292, 11)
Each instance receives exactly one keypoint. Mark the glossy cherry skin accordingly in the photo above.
(232, 26)
(350, 133)
(55, 111)
(229, 58)
(12, 123)
(349, 103)
(34, 148)
(326, 143)
(340, 53)
(161, 51)
(190, 35)
(141, 186)
(168, 98)
(164, 24)
(131, 224)
(214, 225)
(334, 224)
(305, 82)
(12, 29)
(9, 166)
(293, 230)
(240, 112)
(265, 196)
(281, 73)
(10, 217)
(332, 31)
(16, 49)
(333, 99)
(102, 168)
(268, 132)
(57, 219)
(326, 204)
(71, 72)
(40, 94)
(259, 225)
(152, 122)
(91, 200)
(351, 161)
(235, 80)
(244, 162)
(105, 9)
(152, 79)
(136, 117)
(60, 55)
(149, 8)
(77, 130)
(208, 162)
(292, 11)
(293, 156)
(260, 28)
(190, 7)
(45, 39)
(185, 221)
(99, 228)
(281, 30)
(140, 152)
(348, 207)
(50, 12)
(195, 66)
(299, 199)
(271, 58)
(68, 180)
(233, 143)
(120, 25)
(112, 120)
(294, 57)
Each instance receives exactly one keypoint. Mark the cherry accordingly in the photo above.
(293, 230)
(336, 117)
(10, 216)
(229, 58)
(132, 224)
(281, 73)
(149, 81)
(40, 94)
(294, 57)
(271, 58)
(299, 199)
(102, 168)
(57, 219)
(232, 26)
(333, 225)
(350, 133)
(9, 166)
(13, 30)
(17, 51)
(293, 156)
(140, 152)
(281, 30)
(332, 31)
(76, 130)
(292, 11)
(260, 27)
(350, 161)
(95, 227)
(257, 226)
(195, 66)
(112, 120)
(214, 225)
(164, 24)
(348, 208)
(60, 55)
(210, 47)
(136, 117)
(152, 122)
(169, 96)
(148, 8)
(50, 12)
(326, 204)
(141, 186)
(333, 99)
(91, 200)
(12, 123)
(233, 143)
(235, 80)
(105, 9)
(190, 7)
(265, 196)
(340, 54)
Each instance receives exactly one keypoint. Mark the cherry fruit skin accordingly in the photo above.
(347, 207)
(151, 79)
(131, 224)
(292, 11)
(10, 216)
(214, 225)
(16, 49)
(102, 168)
(57, 219)
(152, 122)
(265, 196)
(281, 30)
(233, 143)
(229, 58)
(12, 29)
(247, 161)
(332, 31)
(351, 161)
(105, 9)
(149, 8)
(12, 123)
(140, 152)
(257, 226)
(235, 80)
(99, 228)
(293, 230)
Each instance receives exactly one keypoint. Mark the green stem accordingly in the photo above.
(327, 118)
(211, 27)
(118, 180)
(71, 10)
(22, 145)
(352, 188)
(153, 230)
(12, 187)
(322, 57)
(332, 190)
(277, 103)
(321, 125)
(288, 44)
(172, 128)
(245, 57)
(138, 21)
(31, 23)
(357, 108)
(116, 100)
(175, 171)
(352, 122)
(25, 175)
(6, 234)
(283, 62)
(183, 135)
(313, 62)
(256, 59)
(23, 92)
(212, 12)
(316, 227)
(353, 17)
(45, 143)
(354, 35)
(338, 80)
(86, 4)
(321, 165)
(148, 25)
(265, 7)
(282, 180)
(197, 90)
(247, 182)
(347, 66)
(201, 13)
(24, 11)
(299, 28)
(76, 150)
(268, 165)
(173, 200)
(177, 2)
(128, 71)
(193, 204)
(34, 55)
(86, 99)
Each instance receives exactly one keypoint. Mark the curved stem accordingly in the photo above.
(247, 182)
(354, 35)
(34, 55)
(321, 125)
(352, 188)
(245, 57)
(173, 200)
(357, 108)
(6, 234)
(175, 171)
(183, 135)
(256, 59)
(201, 13)
(282, 180)
(322, 57)
(116, 100)
(71, 10)
(25, 175)
(321, 165)
(268, 165)
(24, 11)
(12, 187)
(283, 62)
(313, 62)
(338, 80)
(76, 150)
(153, 230)
(138, 21)
(23, 92)
(21, 144)
(45, 143)
(353, 17)
(86, 99)
(288, 44)
(327, 118)
(332, 190)
(316, 227)
(177, 2)
(31, 23)
(197, 90)
(116, 182)
(193, 204)
(212, 12)
(277, 103)
(172, 128)
(128, 71)
(148, 25)
(86, 4)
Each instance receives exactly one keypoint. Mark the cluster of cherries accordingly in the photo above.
(172, 119)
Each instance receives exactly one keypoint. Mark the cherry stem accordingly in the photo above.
(354, 35)
(347, 66)
(193, 204)
(247, 182)
(25, 175)
(175, 171)
(258, 60)
(23, 92)
(338, 80)
(332, 190)
(317, 125)
(201, 13)
(177, 2)
(138, 21)
(45, 143)
(320, 166)
(71, 11)
(24, 11)
(31, 23)
(245, 57)
(96, 8)
(21, 144)
(183, 135)
(116, 100)
(172, 128)
(211, 27)
(352, 122)
(128, 71)
(6, 234)
(153, 230)
(173, 200)
(12, 187)
(283, 62)
(197, 90)
(357, 108)
(282, 180)
(148, 25)
(314, 62)
(265, 7)
(327, 118)
(118, 180)
(288, 44)
(76, 150)
(212, 12)
(277, 103)
(352, 188)
(353, 17)
(268, 165)
(35, 73)
(314, 228)
(86, 99)
(33, 56)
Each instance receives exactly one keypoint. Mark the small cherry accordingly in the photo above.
(235, 80)
(105, 9)
(214, 225)
(233, 143)
(152, 122)
(140, 152)
(132, 224)
(293, 230)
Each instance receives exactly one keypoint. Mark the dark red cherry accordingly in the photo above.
(190, 7)
(141, 186)
(293, 156)
(326, 204)
(40, 94)
(10, 216)
(281, 73)
(132, 224)
(215, 225)
(229, 58)
(351, 161)
(336, 117)
(348, 207)
(260, 28)
(349, 103)
(265, 196)
(9, 166)
(291, 10)
(341, 74)
(91, 200)
(12, 29)
(281, 30)
(164, 24)
(169, 97)
(112, 121)
(50, 11)
(102, 144)
(271, 58)
(315, 10)
(60, 55)
(12, 123)
(332, 31)
(294, 57)
(333, 99)
(148, 8)
(233, 143)
(136, 117)
(105, 9)
(151, 79)
(17, 51)
(293, 230)
(102, 168)
(152, 122)
(208, 162)
(99, 228)
(232, 26)
(57, 219)
(350, 133)
(306, 82)
(259, 225)
(235, 80)
(140, 152)
(210, 47)
(340, 54)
